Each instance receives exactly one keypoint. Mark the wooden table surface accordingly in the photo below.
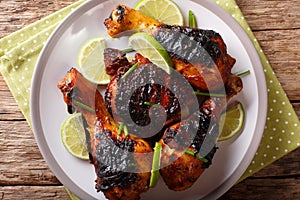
(24, 173)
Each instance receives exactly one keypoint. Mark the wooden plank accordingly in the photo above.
(17, 14)
(283, 51)
(297, 108)
(9, 109)
(289, 165)
(33, 192)
(271, 14)
(275, 189)
(21, 161)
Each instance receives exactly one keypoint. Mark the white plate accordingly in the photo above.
(48, 110)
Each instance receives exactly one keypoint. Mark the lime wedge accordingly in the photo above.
(91, 61)
(73, 136)
(231, 122)
(148, 47)
(165, 11)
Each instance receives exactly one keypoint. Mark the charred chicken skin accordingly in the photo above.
(199, 55)
(149, 85)
(180, 169)
(122, 169)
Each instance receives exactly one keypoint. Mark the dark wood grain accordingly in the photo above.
(25, 175)
(33, 192)
(267, 188)
(271, 14)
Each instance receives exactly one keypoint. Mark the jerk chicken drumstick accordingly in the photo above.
(157, 88)
(104, 143)
(199, 55)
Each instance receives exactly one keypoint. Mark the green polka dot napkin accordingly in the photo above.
(19, 52)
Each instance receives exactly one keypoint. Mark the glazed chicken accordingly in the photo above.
(189, 146)
(121, 162)
(148, 98)
(184, 154)
(199, 55)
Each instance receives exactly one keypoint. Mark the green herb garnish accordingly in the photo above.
(131, 69)
(192, 20)
(155, 165)
(197, 92)
(125, 130)
(120, 128)
(196, 155)
(83, 106)
(243, 73)
(129, 50)
(151, 104)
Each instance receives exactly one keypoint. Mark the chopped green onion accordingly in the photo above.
(197, 92)
(192, 20)
(132, 165)
(121, 126)
(196, 155)
(151, 104)
(129, 50)
(189, 152)
(125, 130)
(242, 73)
(155, 165)
(131, 69)
(83, 106)
(202, 159)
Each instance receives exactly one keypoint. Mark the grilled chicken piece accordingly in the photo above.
(199, 55)
(115, 59)
(183, 144)
(121, 162)
(186, 142)
(149, 99)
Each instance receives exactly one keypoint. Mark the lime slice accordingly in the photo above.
(148, 47)
(231, 122)
(165, 11)
(91, 61)
(73, 136)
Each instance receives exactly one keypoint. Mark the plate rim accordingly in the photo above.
(208, 4)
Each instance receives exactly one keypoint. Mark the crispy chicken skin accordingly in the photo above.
(128, 91)
(114, 60)
(122, 173)
(180, 169)
(199, 55)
